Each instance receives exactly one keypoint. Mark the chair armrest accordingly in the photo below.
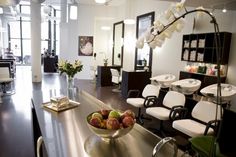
(210, 125)
(150, 101)
(178, 112)
(133, 93)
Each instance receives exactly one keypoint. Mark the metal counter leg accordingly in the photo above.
(39, 144)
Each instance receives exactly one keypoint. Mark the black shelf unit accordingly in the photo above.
(202, 48)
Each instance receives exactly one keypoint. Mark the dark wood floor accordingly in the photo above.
(15, 111)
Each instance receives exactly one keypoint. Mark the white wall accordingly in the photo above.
(88, 24)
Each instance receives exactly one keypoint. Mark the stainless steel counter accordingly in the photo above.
(66, 134)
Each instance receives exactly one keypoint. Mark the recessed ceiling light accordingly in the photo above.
(129, 21)
(224, 10)
(73, 12)
(105, 28)
(1, 10)
(100, 1)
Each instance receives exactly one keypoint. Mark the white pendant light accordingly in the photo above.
(224, 10)
(100, 1)
(129, 20)
(106, 28)
(73, 12)
(1, 10)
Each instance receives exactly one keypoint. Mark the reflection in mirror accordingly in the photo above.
(143, 57)
(118, 37)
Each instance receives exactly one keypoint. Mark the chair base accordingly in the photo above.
(160, 133)
(117, 90)
(141, 118)
(0, 97)
(7, 91)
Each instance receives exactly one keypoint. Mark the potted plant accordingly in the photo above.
(105, 60)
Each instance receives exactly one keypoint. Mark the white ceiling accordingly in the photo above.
(109, 2)
(216, 4)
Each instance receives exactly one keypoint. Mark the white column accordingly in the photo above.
(35, 14)
(64, 11)
(64, 34)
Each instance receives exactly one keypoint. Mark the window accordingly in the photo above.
(20, 34)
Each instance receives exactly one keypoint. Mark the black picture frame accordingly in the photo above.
(119, 54)
(143, 22)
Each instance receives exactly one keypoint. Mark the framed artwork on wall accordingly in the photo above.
(85, 46)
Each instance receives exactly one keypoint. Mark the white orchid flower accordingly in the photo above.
(199, 13)
(140, 42)
(180, 24)
(148, 35)
(168, 13)
(159, 43)
(179, 6)
(152, 44)
(158, 25)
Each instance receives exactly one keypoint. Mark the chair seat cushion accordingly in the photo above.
(2, 80)
(190, 127)
(136, 102)
(158, 112)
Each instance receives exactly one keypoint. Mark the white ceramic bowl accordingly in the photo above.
(227, 91)
(164, 80)
(186, 86)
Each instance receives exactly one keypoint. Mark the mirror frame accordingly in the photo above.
(122, 47)
(138, 20)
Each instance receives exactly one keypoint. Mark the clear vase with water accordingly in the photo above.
(70, 82)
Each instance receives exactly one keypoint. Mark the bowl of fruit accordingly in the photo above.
(111, 124)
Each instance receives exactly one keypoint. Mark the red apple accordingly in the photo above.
(128, 113)
(128, 121)
(113, 124)
(96, 122)
(105, 113)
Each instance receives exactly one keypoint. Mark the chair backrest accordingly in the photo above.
(4, 72)
(205, 111)
(173, 98)
(115, 75)
(151, 89)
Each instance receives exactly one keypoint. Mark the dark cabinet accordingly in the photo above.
(134, 80)
(104, 75)
(205, 79)
(202, 47)
(50, 64)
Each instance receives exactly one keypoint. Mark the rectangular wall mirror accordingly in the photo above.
(143, 57)
(118, 46)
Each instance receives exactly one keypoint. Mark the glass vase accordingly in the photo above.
(70, 82)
